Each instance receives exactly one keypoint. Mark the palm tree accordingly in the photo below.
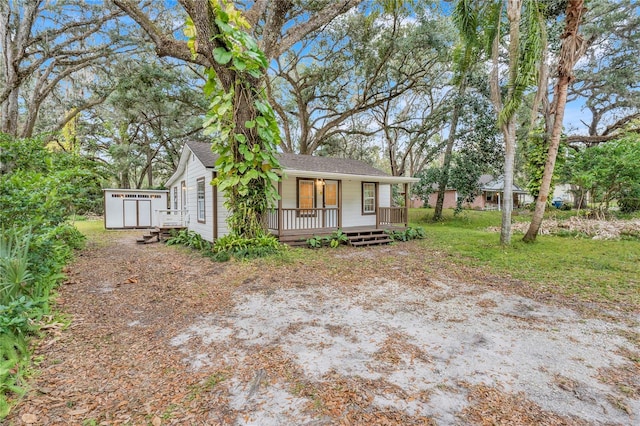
(526, 32)
(572, 48)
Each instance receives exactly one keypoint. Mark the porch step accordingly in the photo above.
(368, 238)
(295, 240)
(153, 236)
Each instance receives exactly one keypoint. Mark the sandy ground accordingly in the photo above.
(162, 336)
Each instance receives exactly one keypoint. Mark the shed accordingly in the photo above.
(133, 208)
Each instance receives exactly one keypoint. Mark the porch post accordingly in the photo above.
(377, 206)
(406, 204)
(280, 207)
(340, 204)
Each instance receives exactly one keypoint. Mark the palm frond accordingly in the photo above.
(530, 54)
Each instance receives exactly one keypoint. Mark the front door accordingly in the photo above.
(331, 202)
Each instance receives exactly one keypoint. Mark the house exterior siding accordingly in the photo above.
(195, 170)
(348, 213)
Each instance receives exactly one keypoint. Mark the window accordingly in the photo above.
(306, 196)
(183, 199)
(368, 198)
(175, 198)
(200, 206)
(489, 196)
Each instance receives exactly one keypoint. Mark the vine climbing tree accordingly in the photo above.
(239, 119)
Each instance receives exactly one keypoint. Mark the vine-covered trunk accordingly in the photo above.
(250, 207)
(570, 51)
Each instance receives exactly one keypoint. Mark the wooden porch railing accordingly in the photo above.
(177, 218)
(392, 216)
(287, 219)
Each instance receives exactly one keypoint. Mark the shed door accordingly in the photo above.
(130, 213)
(144, 213)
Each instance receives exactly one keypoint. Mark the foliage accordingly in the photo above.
(38, 190)
(190, 239)
(629, 199)
(14, 357)
(535, 153)
(333, 240)
(246, 159)
(245, 248)
(14, 261)
(370, 72)
(610, 171)
(606, 79)
(411, 233)
(40, 187)
(224, 248)
(15, 316)
(142, 126)
(427, 184)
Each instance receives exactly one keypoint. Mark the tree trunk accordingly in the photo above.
(570, 51)
(509, 126)
(509, 131)
(444, 177)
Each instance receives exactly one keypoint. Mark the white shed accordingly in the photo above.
(133, 208)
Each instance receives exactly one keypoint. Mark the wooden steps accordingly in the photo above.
(357, 238)
(371, 237)
(157, 234)
(153, 236)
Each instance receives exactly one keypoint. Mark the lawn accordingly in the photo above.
(593, 270)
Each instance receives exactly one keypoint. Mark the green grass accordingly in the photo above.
(601, 271)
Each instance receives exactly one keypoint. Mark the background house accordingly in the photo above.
(490, 198)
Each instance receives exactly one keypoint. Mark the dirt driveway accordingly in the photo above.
(386, 335)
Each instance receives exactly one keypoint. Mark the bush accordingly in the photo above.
(333, 240)
(189, 239)
(629, 201)
(245, 248)
(408, 234)
(39, 189)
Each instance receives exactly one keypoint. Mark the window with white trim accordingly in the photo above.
(200, 196)
(368, 198)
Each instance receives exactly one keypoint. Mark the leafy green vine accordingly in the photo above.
(241, 121)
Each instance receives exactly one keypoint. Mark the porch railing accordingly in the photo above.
(177, 218)
(287, 219)
(392, 216)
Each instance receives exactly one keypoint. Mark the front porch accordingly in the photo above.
(285, 222)
(295, 226)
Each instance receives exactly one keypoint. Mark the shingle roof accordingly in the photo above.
(497, 185)
(309, 163)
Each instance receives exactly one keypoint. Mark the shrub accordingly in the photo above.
(629, 201)
(190, 239)
(39, 189)
(333, 240)
(245, 248)
(411, 233)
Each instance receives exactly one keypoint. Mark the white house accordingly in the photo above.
(318, 195)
